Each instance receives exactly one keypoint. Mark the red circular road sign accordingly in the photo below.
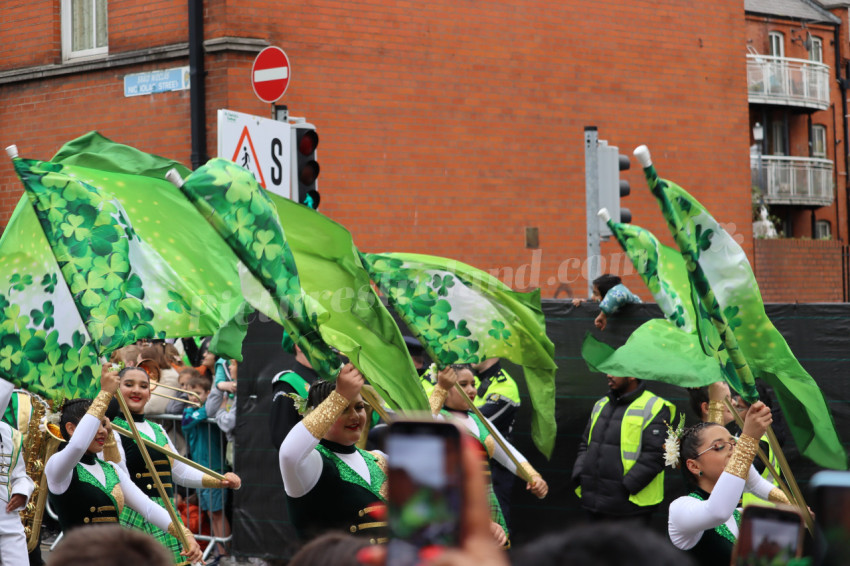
(270, 74)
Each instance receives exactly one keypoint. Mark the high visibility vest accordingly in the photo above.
(750, 498)
(501, 387)
(638, 415)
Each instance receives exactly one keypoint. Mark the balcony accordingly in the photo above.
(800, 181)
(787, 82)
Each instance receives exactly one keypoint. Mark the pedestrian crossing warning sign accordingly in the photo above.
(260, 145)
(246, 156)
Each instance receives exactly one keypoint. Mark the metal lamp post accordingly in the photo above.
(758, 136)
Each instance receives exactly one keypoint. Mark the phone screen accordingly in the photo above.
(425, 488)
(831, 505)
(769, 535)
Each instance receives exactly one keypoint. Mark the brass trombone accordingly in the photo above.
(151, 368)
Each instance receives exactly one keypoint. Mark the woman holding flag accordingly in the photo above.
(719, 469)
(135, 387)
(448, 403)
(330, 483)
(86, 490)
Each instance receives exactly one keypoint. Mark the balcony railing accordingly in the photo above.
(802, 181)
(789, 82)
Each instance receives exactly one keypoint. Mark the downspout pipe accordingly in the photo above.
(197, 97)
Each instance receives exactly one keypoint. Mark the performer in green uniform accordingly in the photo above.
(447, 402)
(330, 483)
(85, 490)
(718, 468)
(135, 386)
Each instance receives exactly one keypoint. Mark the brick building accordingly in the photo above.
(449, 128)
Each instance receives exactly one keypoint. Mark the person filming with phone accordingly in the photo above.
(718, 468)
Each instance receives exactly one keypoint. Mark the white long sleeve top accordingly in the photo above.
(689, 517)
(466, 420)
(301, 465)
(60, 469)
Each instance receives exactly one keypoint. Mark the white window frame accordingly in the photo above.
(819, 141)
(816, 50)
(67, 35)
(823, 230)
(775, 40)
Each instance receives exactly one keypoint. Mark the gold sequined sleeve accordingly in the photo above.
(715, 412)
(98, 407)
(528, 470)
(742, 458)
(778, 496)
(209, 481)
(437, 399)
(322, 418)
(172, 530)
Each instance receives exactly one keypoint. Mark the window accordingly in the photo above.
(84, 31)
(823, 231)
(819, 141)
(816, 49)
(777, 44)
(777, 138)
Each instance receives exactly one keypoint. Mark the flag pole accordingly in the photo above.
(709, 301)
(371, 396)
(497, 437)
(171, 454)
(166, 501)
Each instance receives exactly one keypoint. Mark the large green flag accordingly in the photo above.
(464, 315)
(356, 323)
(322, 295)
(662, 269)
(668, 350)
(242, 214)
(79, 281)
(730, 301)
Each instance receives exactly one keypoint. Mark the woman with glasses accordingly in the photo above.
(718, 469)
(330, 484)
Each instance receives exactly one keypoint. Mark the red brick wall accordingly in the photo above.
(804, 271)
(446, 127)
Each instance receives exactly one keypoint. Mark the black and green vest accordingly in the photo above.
(136, 463)
(86, 501)
(715, 545)
(341, 499)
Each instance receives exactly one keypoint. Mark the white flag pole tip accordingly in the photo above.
(643, 157)
(12, 151)
(604, 214)
(174, 178)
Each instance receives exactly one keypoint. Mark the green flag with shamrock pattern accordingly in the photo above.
(464, 315)
(242, 214)
(356, 322)
(727, 299)
(77, 280)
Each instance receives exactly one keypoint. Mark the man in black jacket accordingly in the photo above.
(283, 414)
(619, 470)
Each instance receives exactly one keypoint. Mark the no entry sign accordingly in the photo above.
(270, 74)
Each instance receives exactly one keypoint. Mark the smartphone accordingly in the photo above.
(769, 535)
(425, 488)
(831, 504)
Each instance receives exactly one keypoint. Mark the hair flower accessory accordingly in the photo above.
(672, 443)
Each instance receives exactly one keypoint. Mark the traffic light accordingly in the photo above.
(305, 168)
(611, 186)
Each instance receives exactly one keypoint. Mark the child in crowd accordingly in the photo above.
(612, 295)
(221, 406)
(205, 447)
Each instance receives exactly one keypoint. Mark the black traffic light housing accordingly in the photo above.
(305, 168)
